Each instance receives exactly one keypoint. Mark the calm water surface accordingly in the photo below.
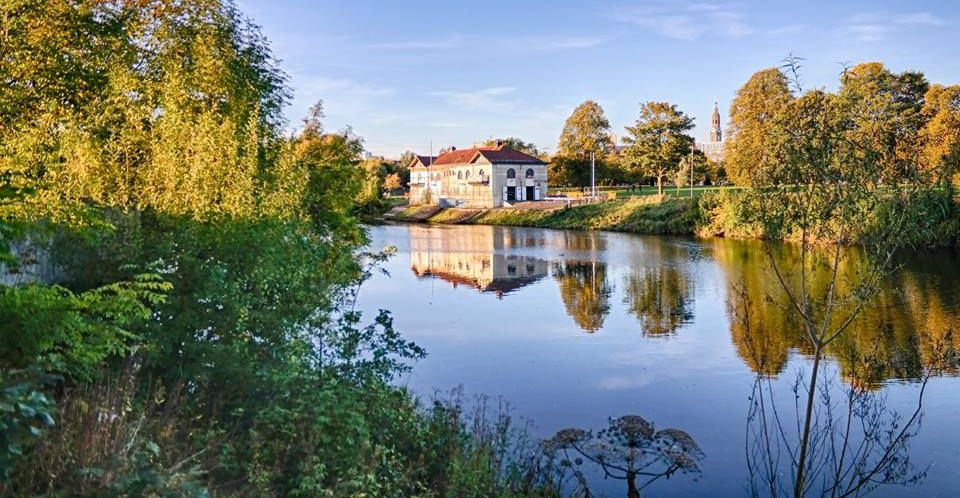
(574, 327)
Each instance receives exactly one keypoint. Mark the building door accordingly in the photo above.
(530, 194)
(511, 194)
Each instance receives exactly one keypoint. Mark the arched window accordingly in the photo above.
(529, 172)
(459, 175)
(468, 174)
(511, 173)
(481, 173)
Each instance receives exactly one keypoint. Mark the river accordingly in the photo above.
(571, 328)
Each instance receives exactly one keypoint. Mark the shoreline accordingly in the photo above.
(707, 216)
(641, 215)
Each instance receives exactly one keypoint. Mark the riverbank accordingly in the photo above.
(713, 214)
(647, 215)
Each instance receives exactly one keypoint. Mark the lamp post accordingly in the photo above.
(692, 149)
(593, 181)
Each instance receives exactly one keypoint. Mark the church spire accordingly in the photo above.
(715, 134)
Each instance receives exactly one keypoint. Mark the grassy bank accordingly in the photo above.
(713, 213)
(637, 215)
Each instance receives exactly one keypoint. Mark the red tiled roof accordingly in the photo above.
(496, 155)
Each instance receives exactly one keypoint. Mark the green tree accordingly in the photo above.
(886, 113)
(515, 144)
(658, 141)
(833, 161)
(749, 148)
(586, 130)
(696, 161)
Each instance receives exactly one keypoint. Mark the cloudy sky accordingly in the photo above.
(405, 73)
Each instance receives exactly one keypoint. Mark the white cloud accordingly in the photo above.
(487, 99)
(549, 43)
(322, 85)
(876, 27)
(686, 22)
(537, 43)
(431, 44)
(787, 29)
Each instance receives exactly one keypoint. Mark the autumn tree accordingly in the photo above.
(940, 136)
(749, 148)
(658, 141)
(392, 182)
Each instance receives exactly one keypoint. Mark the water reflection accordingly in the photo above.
(474, 258)
(728, 334)
(894, 337)
(585, 292)
(661, 298)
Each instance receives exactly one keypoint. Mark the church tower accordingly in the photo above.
(715, 134)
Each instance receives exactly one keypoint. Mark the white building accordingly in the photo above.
(479, 177)
(473, 258)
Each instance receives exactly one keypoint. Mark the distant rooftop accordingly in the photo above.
(500, 154)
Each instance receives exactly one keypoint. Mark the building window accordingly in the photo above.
(529, 172)
(481, 173)
(459, 175)
(468, 174)
(511, 173)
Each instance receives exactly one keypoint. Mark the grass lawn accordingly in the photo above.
(669, 191)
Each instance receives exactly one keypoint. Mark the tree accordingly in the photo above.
(835, 178)
(392, 183)
(703, 170)
(586, 130)
(515, 144)
(658, 141)
(753, 112)
(940, 135)
(886, 113)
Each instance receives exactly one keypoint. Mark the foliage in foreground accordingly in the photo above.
(198, 336)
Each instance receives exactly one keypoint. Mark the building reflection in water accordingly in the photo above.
(473, 258)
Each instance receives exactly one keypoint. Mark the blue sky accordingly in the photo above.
(405, 73)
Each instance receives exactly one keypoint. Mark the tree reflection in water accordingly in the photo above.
(661, 298)
(906, 326)
(856, 441)
(585, 291)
